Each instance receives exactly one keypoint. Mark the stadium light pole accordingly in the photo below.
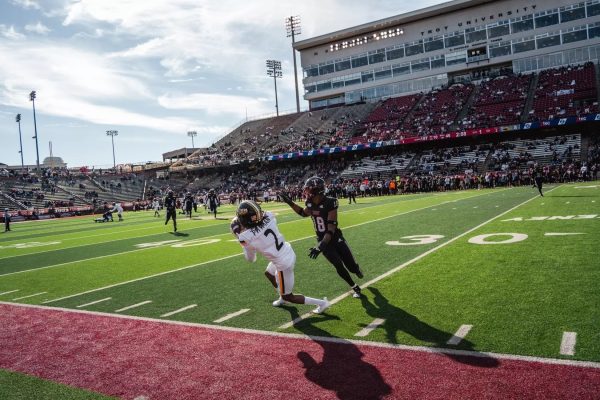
(192, 134)
(274, 70)
(18, 120)
(292, 25)
(32, 96)
(112, 135)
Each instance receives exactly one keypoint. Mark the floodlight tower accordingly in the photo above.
(112, 135)
(274, 70)
(18, 120)
(37, 151)
(292, 25)
(192, 134)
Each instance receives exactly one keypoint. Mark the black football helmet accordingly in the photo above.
(314, 186)
(249, 213)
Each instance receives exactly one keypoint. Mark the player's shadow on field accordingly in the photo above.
(396, 320)
(180, 234)
(341, 368)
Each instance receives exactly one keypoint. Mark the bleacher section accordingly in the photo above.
(385, 121)
(523, 153)
(499, 101)
(453, 159)
(383, 166)
(565, 91)
(437, 111)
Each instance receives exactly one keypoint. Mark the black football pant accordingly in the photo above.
(340, 256)
(538, 184)
(351, 196)
(172, 213)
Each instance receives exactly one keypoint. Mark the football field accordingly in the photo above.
(503, 273)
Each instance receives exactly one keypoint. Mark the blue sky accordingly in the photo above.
(151, 69)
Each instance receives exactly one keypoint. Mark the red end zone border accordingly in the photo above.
(131, 357)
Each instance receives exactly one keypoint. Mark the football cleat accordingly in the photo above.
(357, 294)
(322, 307)
(279, 302)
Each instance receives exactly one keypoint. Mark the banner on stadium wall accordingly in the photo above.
(444, 136)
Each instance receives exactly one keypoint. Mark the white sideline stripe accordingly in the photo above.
(94, 302)
(215, 236)
(10, 291)
(370, 328)
(239, 254)
(459, 335)
(563, 233)
(178, 311)
(232, 315)
(407, 263)
(422, 349)
(567, 345)
(134, 306)
(31, 295)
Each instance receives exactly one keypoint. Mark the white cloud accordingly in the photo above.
(27, 4)
(38, 28)
(215, 104)
(9, 32)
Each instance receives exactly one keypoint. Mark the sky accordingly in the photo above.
(152, 70)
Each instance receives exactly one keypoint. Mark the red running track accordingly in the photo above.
(132, 357)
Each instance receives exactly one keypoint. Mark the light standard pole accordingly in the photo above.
(274, 70)
(37, 151)
(292, 25)
(192, 134)
(18, 120)
(112, 135)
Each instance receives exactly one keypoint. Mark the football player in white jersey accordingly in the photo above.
(156, 207)
(258, 232)
(119, 210)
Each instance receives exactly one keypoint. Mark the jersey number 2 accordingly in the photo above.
(278, 245)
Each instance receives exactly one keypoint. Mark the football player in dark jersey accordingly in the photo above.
(538, 179)
(170, 204)
(212, 199)
(323, 211)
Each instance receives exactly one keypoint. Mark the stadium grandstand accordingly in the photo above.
(464, 88)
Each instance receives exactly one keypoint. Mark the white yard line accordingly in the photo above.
(232, 315)
(154, 234)
(265, 334)
(370, 328)
(178, 311)
(28, 296)
(134, 306)
(407, 263)
(94, 302)
(567, 345)
(10, 291)
(239, 254)
(459, 335)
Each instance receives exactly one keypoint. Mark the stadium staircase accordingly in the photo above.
(75, 193)
(7, 201)
(466, 108)
(530, 98)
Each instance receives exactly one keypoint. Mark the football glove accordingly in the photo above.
(285, 198)
(235, 226)
(314, 252)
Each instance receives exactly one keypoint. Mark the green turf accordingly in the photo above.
(519, 297)
(16, 386)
